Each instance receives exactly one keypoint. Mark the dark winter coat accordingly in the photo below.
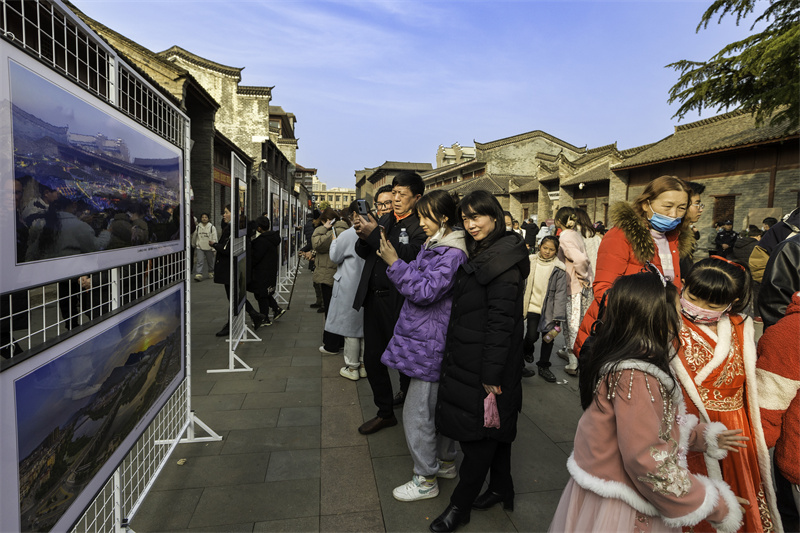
(373, 277)
(484, 343)
(417, 345)
(222, 262)
(742, 249)
(264, 261)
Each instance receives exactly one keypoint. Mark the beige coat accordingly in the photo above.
(321, 244)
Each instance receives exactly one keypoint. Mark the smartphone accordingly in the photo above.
(363, 208)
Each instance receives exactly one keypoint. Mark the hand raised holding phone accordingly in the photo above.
(386, 250)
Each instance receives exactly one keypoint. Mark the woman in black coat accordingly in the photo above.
(483, 354)
(222, 271)
(264, 259)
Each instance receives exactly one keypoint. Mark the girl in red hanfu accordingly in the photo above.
(628, 467)
(716, 366)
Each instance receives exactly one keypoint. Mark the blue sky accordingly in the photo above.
(372, 80)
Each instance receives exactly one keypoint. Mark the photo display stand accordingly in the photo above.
(239, 331)
(96, 384)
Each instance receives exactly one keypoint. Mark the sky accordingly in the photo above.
(373, 81)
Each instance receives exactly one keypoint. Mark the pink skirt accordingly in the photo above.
(581, 510)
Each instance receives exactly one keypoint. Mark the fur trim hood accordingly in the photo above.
(637, 231)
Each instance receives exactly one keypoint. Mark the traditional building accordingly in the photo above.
(370, 180)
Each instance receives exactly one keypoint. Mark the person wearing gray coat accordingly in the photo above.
(323, 273)
(342, 318)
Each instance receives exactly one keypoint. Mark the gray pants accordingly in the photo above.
(425, 445)
(201, 259)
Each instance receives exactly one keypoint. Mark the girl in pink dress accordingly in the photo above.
(628, 467)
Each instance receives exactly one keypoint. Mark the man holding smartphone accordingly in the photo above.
(377, 295)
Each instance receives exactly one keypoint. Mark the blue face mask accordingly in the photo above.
(662, 223)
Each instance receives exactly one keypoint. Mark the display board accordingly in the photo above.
(72, 413)
(78, 164)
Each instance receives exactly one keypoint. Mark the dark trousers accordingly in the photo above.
(482, 457)
(785, 500)
(381, 309)
(531, 336)
(331, 341)
(247, 305)
(266, 302)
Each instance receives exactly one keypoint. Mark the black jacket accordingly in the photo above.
(742, 249)
(484, 343)
(222, 267)
(374, 277)
(781, 280)
(264, 261)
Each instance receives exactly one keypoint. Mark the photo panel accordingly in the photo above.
(95, 187)
(240, 281)
(73, 412)
(276, 212)
(240, 208)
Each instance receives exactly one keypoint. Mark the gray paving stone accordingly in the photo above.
(272, 372)
(536, 462)
(261, 440)
(306, 360)
(197, 449)
(340, 426)
(299, 416)
(294, 464)
(198, 472)
(352, 522)
(263, 400)
(347, 481)
(534, 511)
(257, 502)
(339, 391)
(553, 408)
(218, 402)
(224, 528)
(249, 385)
(202, 388)
(167, 510)
(305, 383)
(308, 524)
(242, 419)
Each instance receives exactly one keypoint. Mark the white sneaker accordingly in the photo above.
(416, 489)
(563, 353)
(198, 277)
(326, 352)
(362, 371)
(210, 275)
(349, 373)
(447, 470)
(572, 366)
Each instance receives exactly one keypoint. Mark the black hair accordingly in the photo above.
(585, 223)
(409, 179)
(543, 225)
(438, 204)
(641, 322)
(564, 215)
(697, 188)
(720, 282)
(770, 221)
(482, 203)
(228, 207)
(385, 188)
(353, 207)
(206, 214)
(551, 238)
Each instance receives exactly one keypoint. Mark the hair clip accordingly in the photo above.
(728, 261)
(650, 267)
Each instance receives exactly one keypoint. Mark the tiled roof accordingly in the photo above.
(525, 136)
(601, 172)
(544, 156)
(177, 51)
(630, 152)
(278, 110)
(723, 132)
(531, 186)
(446, 169)
(251, 90)
(550, 177)
(482, 183)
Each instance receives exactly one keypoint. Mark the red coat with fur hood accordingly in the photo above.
(623, 251)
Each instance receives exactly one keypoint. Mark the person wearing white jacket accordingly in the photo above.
(204, 257)
(342, 319)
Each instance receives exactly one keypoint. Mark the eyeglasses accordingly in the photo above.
(699, 206)
(383, 205)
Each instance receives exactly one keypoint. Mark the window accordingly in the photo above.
(724, 207)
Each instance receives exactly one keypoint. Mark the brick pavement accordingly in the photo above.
(291, 458)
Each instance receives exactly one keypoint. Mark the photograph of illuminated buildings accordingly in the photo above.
(74, 412)
(90, 180)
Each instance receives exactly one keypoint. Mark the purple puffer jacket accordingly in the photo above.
(417, 346)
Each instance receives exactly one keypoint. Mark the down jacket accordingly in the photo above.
(321, 244)
(623, 251)
(417, 346)
(484, 343)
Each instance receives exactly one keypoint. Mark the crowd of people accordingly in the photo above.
(457, 298)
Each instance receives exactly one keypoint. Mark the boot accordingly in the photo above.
(490, 498)
(450, 519)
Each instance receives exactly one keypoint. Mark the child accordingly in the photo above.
(417, 346)
(628, 469)
(204, 255)
(545, 304)
(579, 281)
(717, 370)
